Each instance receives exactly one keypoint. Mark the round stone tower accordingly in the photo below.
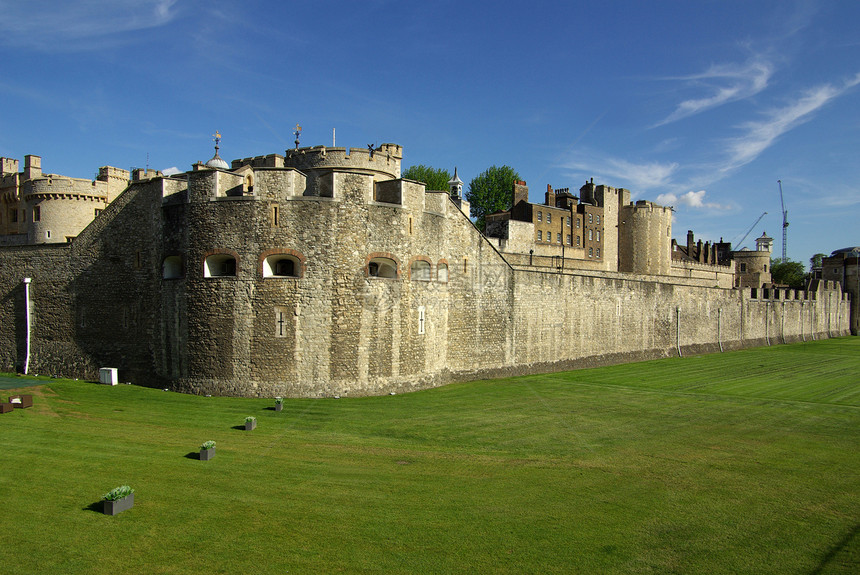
(645, 239)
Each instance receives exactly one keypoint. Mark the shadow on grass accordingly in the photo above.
(270, 408)
(98, 507)
(835, 550)
(192, 455)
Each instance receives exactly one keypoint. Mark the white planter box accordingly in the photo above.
(108, 376)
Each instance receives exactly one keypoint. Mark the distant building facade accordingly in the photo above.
(843, 266)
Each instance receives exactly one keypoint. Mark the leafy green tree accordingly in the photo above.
(816, 260)
(491, 191)
(433, 178)
(788, 273)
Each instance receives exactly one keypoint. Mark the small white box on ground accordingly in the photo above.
(108, 376)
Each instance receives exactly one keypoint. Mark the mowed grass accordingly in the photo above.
(742, 462)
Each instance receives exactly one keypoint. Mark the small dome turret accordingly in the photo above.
(217, 162)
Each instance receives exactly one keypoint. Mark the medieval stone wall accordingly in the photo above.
(139, 290)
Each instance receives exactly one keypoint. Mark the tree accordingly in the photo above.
(815, 261)
(491, 191)
(787, 273)
(433, 178)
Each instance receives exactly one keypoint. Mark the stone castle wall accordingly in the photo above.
(332, 328)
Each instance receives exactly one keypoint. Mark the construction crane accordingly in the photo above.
(741, 243)
(784, 221)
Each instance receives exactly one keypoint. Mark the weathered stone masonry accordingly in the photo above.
(268, 279)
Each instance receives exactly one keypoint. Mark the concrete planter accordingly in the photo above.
(118, 506)
(249, 425)
(279, 407)
(207, 454)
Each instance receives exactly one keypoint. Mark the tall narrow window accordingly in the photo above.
(37, 213)
(540, 215)
(420, 320)
(590, 235)
(281, 322)
(275, 216)
(548, 218)
(540, 236)
(558, 237)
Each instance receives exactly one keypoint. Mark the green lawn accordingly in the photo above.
(743, 462)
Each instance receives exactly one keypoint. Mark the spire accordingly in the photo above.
(455, 185)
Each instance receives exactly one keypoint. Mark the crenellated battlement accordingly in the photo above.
(8, 166)
(649, 207)
(108, 172)
(267, 161)
(52, 185)
(384, 159)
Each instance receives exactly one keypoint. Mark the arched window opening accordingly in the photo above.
(382, 268)
(219, 265)
(172, 267)
(281, 266)
(442, 272)
(420, 270)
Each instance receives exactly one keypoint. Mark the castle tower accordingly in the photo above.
(752, 269)
(645, 238)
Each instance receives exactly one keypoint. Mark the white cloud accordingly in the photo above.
(171, 171)
(637, 176)
(723, 84)
(691, 199)
(760, 135)
(52, 26)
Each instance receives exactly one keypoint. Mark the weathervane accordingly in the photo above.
(217, 137)
(297, 133)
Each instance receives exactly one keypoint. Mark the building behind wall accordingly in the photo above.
(843, 266)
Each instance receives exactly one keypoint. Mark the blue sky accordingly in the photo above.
(702, 105)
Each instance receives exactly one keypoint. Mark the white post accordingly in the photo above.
(766, 320)
(720, 328)
(802, 333)
(27, 312)
(783, 320)
(678, 330)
